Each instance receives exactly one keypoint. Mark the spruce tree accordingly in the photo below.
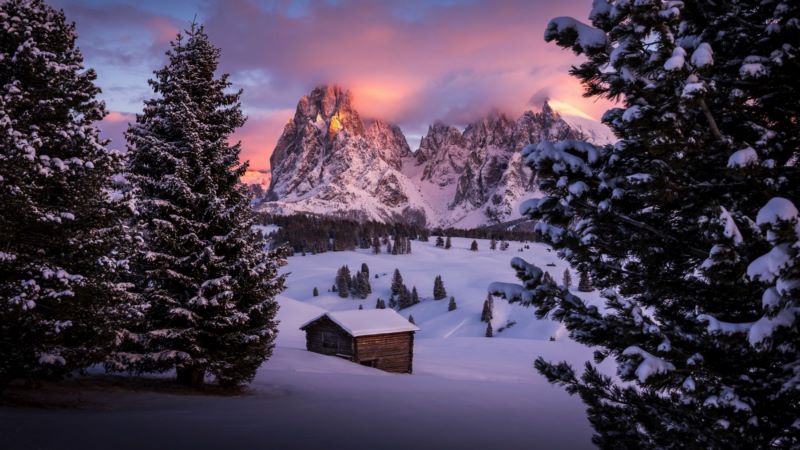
(64, 244)
(474, 246)
(584, 285)
(360, 307)
(342, 282)
(380, 304)
(209, 284)
(447, 243)
(414, 296)
(376, 245)
(566, 280)
(411, 319)
(397, 283)
(493, 244)
(439, 241)
(439, 291)
(315, 293)
(489, 331)
(691, 217)
(488, 306)
(365, 269)
(452, 305)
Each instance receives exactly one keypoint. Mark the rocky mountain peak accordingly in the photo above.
(329, 107)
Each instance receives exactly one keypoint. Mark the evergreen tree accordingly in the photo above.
(365, 269)
(493, 244)
(584, 285)
(404, 299)
(489, 331)
(376, 245)
(360, 307)
(414, 296)
(64, 245)
(474, 246)
(566, 280)
(547, 279)
(488, 307)
(397, 283)
(439, 291)
(208, 281)
(452, 305)
(504, 245)
(439, 241)
(342, 282)
(315, 293)
(380, 304)
(447, 243)
(691, 216)
(411, 319)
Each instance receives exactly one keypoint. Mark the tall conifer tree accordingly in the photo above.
(210, 285)
(64, 244)
(688, 224)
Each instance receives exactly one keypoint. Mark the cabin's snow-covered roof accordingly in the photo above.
(366, 322)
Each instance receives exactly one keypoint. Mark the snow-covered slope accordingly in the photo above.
(329, 161)
(466, 392)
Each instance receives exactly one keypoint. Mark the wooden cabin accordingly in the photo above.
(379, 338)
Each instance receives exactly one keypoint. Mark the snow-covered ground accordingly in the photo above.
(466, 392)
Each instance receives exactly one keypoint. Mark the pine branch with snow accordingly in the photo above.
(688, 225)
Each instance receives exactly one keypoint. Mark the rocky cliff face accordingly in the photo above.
(330, 161)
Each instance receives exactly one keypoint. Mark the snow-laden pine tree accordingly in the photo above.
(439, 292)
(64, 244)
(688, 224)
(210, 284)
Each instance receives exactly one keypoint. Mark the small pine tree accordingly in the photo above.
(474, 246)
(315, 293)
(547, 279)
(567, 279)
(397, 283)
(365, 269)
(404, 300)
(489, 331)
(411, 319)
(584, 285)
(452, 305)
(487, 313)
(493, 244)
(360, 307)
(376, 245)
(447, 243)
(439, 241)
(414, 296)
(504, 245)
(380, 304)
(342, 286)
(439, 291)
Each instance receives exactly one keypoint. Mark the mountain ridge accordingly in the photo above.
(329, 160)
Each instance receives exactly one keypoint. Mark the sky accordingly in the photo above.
(410, 62)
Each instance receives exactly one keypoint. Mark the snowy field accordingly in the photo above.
(466, 392)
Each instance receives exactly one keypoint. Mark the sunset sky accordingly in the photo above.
(407, 61)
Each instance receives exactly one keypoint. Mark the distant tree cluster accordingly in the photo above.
(308, 233)
(402, 297)
(356, 286)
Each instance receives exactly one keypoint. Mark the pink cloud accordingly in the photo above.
(453, 63)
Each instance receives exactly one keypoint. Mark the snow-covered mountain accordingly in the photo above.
(330, 161)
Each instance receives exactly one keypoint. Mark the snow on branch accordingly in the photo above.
(510, 291)
(569, 32)
(650, 365)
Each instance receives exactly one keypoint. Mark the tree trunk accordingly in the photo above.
(191, 376)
